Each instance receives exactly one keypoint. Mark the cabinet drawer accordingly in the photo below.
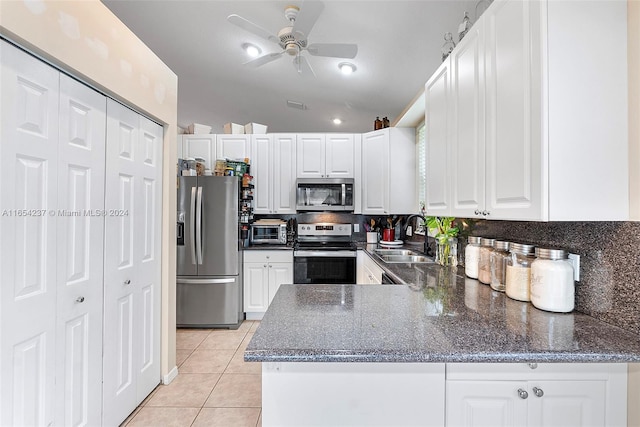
(268, 256)
(533, 371)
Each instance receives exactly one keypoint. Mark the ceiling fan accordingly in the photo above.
(292, 39)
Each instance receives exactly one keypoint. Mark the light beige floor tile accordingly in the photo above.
(255, 325)
(227, 417)
(236, 391)
(223, 340)
(187, 390)
(244, 327)
(130, 417)
(148, 398)
(181, 356)
(165, 417)
(207, 361)
(259, 419)
(189, 339)
(238, 365)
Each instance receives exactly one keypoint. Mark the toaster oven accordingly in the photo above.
(268, 232)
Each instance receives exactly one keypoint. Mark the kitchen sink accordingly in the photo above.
(401, 255)
(403, 252)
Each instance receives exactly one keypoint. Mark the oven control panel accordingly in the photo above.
(324, 229)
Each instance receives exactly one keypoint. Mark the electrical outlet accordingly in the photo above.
(356, 228)
(409, 231)
(575, 260)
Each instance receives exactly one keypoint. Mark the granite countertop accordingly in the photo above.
(437, 316)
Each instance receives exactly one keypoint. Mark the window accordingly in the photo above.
(421, 167)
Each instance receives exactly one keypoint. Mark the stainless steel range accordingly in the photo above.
(324, 253)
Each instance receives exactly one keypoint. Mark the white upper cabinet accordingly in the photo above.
(326, 155)
(274, 170)
(526, 132)
(200, 145)
(389, 172)
(233, 147)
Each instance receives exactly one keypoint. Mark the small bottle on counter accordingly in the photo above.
(484, 263)
(552, 286)
(518, 275)
(472, 256)
(498, 263)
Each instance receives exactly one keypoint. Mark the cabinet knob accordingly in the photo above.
(538, 392)
(80, 299)
(265, 265)
(127, 282)
(477, 212)
(532, 365)
(522, 393)
(270, 266)
(485, 213)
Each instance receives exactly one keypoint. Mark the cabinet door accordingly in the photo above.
(28, 248)
(514, 142)
(256, 287)
(375, 172)
(437, 128)
(262, 170)
(467, 125)
(567, 403)
(311, 156)
(203, 146)
(80, 243)
(233, 147)
(283, 174)
(340, 152)
(279, 273)
(485, 403)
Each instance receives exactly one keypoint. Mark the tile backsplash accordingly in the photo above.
(609, 287)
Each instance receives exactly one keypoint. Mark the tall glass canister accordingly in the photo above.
(484, 264)
(472, 257)
(552, 285)
(498, 264)
(518, 275)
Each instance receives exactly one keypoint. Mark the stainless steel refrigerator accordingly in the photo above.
(209, 261)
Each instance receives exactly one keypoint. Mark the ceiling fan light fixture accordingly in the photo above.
(337, 121)
(347, 68)
(252, 50)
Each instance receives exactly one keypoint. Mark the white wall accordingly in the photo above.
(85, 39)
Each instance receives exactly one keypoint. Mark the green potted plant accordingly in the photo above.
(444, 230)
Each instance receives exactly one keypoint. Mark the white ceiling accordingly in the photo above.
(398, 49)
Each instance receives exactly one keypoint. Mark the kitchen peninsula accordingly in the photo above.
(407, 354)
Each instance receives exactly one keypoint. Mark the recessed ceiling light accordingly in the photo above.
(347, 67)
(337, 121)
(251, 49)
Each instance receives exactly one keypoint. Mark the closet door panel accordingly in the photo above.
(28, 256)
(121, 287)
(80, 226)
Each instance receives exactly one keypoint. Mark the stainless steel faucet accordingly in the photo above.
(426, 249)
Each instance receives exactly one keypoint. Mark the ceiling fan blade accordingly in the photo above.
(334, 50)
(309, 13)
(303, 67)
(252, 28)
(263, 59)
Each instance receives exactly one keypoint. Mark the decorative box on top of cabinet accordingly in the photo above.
(389, 172)
(518, 127)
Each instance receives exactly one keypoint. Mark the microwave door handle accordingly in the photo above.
(344, 194)
(192, 225)
(199, 226)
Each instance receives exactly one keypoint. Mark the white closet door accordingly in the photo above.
(147, 249)
(121, 287)
(28, 252)
(80, 252)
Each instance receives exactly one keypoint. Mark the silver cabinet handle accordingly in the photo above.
(532, 365)
(80, 299)
(538, 392)
(522, 394)
(127, 282)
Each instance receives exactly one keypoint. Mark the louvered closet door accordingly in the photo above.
(28, 251)
(80, 254)
(132, 261)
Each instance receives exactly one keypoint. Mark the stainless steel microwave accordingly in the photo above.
(324, 194)
(268, 232)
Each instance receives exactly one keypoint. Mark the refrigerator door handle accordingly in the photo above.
(204, 281)
(192, 225)
(199, 226)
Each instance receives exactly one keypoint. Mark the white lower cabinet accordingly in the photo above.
(264, 271)
(367, 271)
(536, 395)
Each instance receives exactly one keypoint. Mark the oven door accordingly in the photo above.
(324, 267)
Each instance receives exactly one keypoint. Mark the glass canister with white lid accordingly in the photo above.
(552, 285)
(498, 262)
(472, 257)
(518, 271)
(484, 263)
